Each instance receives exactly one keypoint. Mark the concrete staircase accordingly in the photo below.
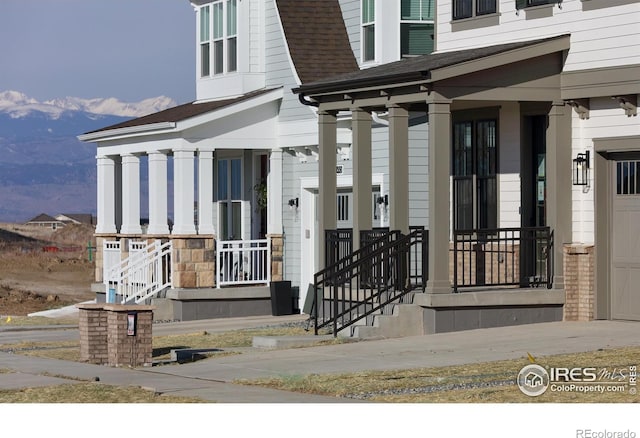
(396, 321)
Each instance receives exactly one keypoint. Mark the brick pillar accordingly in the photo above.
(193, 262)
(93, 333)
(579, 282)
(129, 349)
(277, 253)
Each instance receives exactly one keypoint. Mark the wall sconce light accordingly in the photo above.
(293, 203)
(383, 200)
(580, 171)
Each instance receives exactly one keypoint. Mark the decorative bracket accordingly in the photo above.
(629, 103)
(581, 106)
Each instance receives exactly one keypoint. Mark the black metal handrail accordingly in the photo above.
(503, 257)
(382, 271)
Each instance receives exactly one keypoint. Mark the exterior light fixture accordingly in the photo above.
(580, 171)
(293, 203)
(383, 200)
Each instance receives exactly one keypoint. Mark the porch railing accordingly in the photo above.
(386, 268)
(143, 274)
(241, 262)
(503, 257)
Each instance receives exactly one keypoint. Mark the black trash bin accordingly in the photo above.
(281, 298)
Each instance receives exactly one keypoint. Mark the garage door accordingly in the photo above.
(625, 248)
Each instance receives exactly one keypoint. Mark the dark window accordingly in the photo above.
(474, 174)
(521, 4)
(470, 8)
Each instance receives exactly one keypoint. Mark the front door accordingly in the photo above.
(534, 195)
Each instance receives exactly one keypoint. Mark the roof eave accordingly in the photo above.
(130, 130)
(360, 84)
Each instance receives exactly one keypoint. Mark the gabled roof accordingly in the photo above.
(42, 217)
(317, 38)
(421, 68)
(181, 112)
(83, 218)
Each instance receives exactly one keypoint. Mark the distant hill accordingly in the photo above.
(43, 166)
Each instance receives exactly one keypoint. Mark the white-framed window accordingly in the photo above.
(230, 198)
(368, 30)
(472, 8)
(205, 41)
(219, 37)
(416, 27)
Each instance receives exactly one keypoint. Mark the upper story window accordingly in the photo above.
(472, 8)
(416, 27)
(218, 37)
(368, 30)
(521, 4)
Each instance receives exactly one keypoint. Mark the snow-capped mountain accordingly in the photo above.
(18, 105)
(43, 166)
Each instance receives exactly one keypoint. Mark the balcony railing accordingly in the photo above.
(503, 257)
(243, 262)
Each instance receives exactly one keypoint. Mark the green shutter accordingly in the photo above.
(416, 9)
(521, 4)
(427, 9)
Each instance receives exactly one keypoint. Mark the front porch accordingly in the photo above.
(499, 175)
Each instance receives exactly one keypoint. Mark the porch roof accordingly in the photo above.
(435, 66)
(173, 115)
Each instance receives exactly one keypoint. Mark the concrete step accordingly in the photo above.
(406, 320)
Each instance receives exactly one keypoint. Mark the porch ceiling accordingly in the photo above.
(516, 71)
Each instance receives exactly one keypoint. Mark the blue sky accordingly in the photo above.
(128, 49)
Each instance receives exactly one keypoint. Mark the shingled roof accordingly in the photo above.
(410, 69)
(317, 38)
(182, 112)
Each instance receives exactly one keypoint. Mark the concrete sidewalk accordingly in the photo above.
(211, 379)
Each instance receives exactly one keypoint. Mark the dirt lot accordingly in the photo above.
(43, 269)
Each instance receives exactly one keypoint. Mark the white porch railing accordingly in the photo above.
(110, 257)
(143, 274)
(243, 262)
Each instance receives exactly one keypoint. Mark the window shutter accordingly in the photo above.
(416, 39)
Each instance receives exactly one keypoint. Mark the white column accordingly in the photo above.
(205, 193)
(130, 195)
(274, 193)
(106, 196)
(183, 192)
(158, 193)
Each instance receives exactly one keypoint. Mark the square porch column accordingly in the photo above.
(106, 210)
(274, 193)
(158, 193)
(361, 149)
(439, 193)
(183, 192)
(327, 184)
(559, 185)
(398, 168)
(205, 193)
(130, 195)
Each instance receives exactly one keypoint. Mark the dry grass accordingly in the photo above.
(25, 321)
(458, 384)
(85, 392)
(162, 345)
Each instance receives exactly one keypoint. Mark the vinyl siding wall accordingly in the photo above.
(601, 37)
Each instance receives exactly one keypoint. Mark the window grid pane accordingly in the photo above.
(204, 24)
(232, 17)
(485, 7)
(218, 23)
(416, 39)
(236, 179)
(223, 188)
(462, 9)
(205, 59)
(368, 34)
